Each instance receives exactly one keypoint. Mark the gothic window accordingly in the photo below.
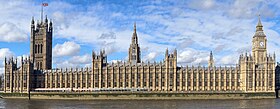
(38, 48)
(133, 57)
(35, 48)
(40, 65)
(133, 50)
(96, 65)
(37, 65)
(41, 48)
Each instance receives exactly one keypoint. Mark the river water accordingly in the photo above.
(139, 104)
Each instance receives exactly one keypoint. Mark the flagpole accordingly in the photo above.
(42, 12)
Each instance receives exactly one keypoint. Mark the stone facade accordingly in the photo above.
(253, 73)
(277, 77)
(41, 44)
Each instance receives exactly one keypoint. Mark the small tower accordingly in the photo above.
(211, 60)
(99, 61)
(171, 59)
(171, 68)
(134, 53)
(10, 69)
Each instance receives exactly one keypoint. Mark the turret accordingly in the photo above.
(32, 24)
(171, 59)
(46, 20)
(93, 54)
(51, 27)
(166, 53)
(5, 60)
(175, 52)
(98, 61)
(211, 60)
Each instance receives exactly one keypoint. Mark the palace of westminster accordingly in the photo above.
(254, 72)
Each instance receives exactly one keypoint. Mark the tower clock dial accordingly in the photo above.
(261, 44)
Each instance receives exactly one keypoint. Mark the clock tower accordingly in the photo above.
(259, 50)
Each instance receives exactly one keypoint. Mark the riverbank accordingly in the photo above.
(134, 95)
(139, 104)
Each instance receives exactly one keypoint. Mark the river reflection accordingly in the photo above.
(139, 104)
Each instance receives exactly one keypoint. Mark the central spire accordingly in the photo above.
(134, 49)
(135, 27)
(134, 36)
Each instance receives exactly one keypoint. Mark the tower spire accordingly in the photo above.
(134, 36)
(259, 26)
(211, 55)
(135, 27)
(134, 49)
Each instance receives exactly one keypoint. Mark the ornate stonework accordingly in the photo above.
(253, 73)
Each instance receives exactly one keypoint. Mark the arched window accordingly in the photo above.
(40, 65)
(96, 65)
(41, 48)
(37, 65)
(38, 48)
(35, 48)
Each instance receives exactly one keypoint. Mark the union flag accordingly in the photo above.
(45, 4)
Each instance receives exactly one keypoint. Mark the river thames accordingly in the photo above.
(139, 104)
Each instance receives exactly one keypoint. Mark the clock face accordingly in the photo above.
(261, 44)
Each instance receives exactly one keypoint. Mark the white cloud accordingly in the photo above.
(2, 70)
(84, 59)
(251, 8)
(201, 4)
(75, 61)
(66, 64)
(5, 52)
(115, 61)
(9, 32)
(66, 49)
(195, 27)
(150, 57)
(193, 57)
(229, 60)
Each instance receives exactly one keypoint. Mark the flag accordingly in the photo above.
(45, 4)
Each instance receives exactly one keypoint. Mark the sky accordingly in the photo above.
(193, 27)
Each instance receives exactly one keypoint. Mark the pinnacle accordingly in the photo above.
(134, 27)
(259, 23)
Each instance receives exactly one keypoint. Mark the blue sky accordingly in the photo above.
(193, 27)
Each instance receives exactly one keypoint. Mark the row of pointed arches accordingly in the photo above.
(38, 48)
